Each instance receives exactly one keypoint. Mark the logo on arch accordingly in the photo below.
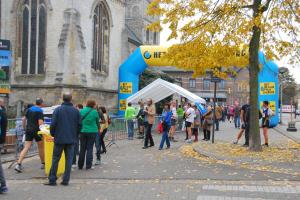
(147, 55)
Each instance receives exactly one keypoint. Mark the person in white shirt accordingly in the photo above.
(190, 116)
(267, 113)
(173, 122)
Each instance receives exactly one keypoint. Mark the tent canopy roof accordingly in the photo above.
(160, 89)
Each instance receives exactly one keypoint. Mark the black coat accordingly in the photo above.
(3, 124)
(66, 124)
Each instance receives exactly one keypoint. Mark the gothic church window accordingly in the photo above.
(32, 17)
(101, 34)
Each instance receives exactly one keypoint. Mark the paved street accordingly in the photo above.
(129, 172)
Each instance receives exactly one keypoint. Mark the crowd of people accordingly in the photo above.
(77, 129)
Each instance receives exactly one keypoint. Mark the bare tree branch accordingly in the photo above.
(266, 6)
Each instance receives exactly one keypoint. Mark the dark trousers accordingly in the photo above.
(217, 122)
(247, 129)
(100, 145)
(148, 136)
(87, 141)
(76, 150)
(57, 152)
(2, 178)
(206, 134)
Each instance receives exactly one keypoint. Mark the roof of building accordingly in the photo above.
(132, 37)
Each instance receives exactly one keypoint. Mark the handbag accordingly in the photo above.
(159, 128)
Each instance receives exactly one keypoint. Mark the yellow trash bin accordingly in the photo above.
(48, 148)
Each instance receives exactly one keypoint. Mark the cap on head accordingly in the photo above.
(39, 101)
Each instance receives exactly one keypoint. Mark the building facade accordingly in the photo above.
(137, 21)
(235, 89)
(71, 45)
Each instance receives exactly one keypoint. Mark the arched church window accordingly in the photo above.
(100, 60)
(32, 36)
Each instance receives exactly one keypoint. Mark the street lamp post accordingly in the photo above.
(282, 70)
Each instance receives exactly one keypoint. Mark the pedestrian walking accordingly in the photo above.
(207, 123)
(197, 123)
(180, 113)
(33, 119)
(3, 129)
(129, 117)
(245, 119)
(149, 121)
(76, 148)
(190, 117)
(266, 113)
(65, 126)
(166, 119)
(174, 119)
(90, 127)
(100, 144)
(237, 119)
(218, 117)
(140, 119)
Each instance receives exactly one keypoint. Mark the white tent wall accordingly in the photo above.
(160, 89)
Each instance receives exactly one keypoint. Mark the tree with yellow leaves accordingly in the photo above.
(213, 31)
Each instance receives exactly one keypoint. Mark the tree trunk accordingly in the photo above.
(255, 142)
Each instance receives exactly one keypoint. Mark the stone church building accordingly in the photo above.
(71, 45)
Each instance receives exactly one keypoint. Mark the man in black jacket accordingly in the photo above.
(3, 128)
(65, 126)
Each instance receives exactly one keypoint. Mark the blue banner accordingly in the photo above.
(5, 58)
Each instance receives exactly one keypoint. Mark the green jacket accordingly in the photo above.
(90, 123)
(129, 113)
(180, 112)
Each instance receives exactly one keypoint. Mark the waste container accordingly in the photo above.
(48, 151)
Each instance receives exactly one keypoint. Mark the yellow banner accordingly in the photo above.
(267, 88)
(272, 105)
(153, 55)
(123, 104)
(126, 88)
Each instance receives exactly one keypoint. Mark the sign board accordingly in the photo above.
(122, 104)
(267, 88)
(5, 53)
(215, 79)
(126, 88)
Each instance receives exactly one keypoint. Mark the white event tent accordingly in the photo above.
(161, 89)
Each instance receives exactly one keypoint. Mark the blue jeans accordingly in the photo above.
(237, 122)
(130, 126)
(165, 138)
(76, 150)
(57, 152)
(87, 141)
(217, 122)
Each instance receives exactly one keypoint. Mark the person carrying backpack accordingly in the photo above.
(3, 128)
(166, 124)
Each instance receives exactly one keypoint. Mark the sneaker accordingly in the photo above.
(43, 166)
(98, 162)
(91, 168)
(265, 145)
(74, 166)
(18, 168)
(245, 145)
(3, 189)
(235, 142)
(189, 141)
(168, 147)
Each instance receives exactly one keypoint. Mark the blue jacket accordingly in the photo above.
(166, 116)
(66, 124)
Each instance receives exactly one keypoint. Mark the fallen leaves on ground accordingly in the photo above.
(263, 160)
